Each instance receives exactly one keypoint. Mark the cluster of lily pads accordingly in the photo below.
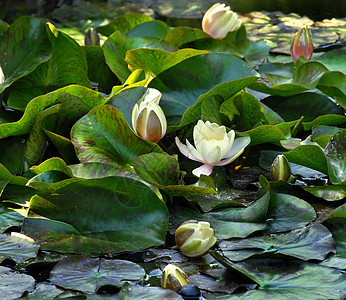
(78, 177)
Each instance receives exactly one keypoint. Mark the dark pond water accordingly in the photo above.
(314, 9)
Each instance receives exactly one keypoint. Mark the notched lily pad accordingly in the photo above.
(111, 214)
(89, 274)
(289, 279)
(17, 247)
(13, 284)
(311, 242)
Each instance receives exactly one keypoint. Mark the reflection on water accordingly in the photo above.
(314, 9)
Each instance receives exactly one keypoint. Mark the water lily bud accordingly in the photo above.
(302, 44)
(92, 38)
(219, 20)
(195, 238)
(148, 119)
(280, 169)
(173, 277)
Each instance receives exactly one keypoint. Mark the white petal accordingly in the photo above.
(185, 151)
(2, 76)
(239, 145)
(151, 95)
(226, 144)
(210, 151)
(202, 170)
(194, 151)
(134, 117)
(197, 132)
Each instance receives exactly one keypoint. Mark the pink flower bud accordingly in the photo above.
(302, 44)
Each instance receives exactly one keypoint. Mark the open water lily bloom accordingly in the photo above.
(219, 20)
(213, 147)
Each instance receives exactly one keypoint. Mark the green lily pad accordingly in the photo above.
(94, 170)
(117, 45)
(308, 74)
(123, 24)
(96, 62)
(12, 154)
(89, 274)
(213, 45)
(97, 139)
(187, 84)
(158, 169)
(64, 68)
(111, 214)
(335, 152)
(17, 194)
(229, 222)
(283, 90)
(5, 175)
(52, 164)
(125, 99)
(83, 100)
(24, 47)
(329, 192)
(13, 285)
(37, 141)
(328, 120)
(336, 223)
(62, 144)
(287, 212)
(182, 35)
(154, 28)
(291, 108)
(147, 293)
(244, 110)
(334, 60)
(311, 242)
(44, 290)
(322, 134)
(162, 171)
(264, 134)
(155, 61)
(19, 248)
(50, 181)
(288, 279)
(9, 217)
(228, 197)
(333, 85)
(310, 156)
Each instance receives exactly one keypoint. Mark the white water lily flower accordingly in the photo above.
(219, 20)
(213, 146)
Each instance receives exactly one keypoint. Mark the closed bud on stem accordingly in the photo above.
(280, 169)
(148, 119)
(302, 44)
(195, 238)
(173, 277)
(219, 20)
(92, 38)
